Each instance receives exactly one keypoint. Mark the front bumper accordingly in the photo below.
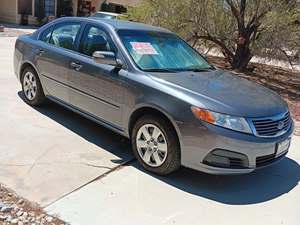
(199, 140)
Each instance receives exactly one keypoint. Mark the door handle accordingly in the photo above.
(75, 66)
(40, 52)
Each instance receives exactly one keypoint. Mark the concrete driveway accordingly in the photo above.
(131, 196)
(45, 153)
(73, 168)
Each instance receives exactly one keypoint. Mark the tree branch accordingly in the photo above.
(242, 11)
(229, 54)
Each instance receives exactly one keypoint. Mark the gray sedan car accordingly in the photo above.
(148, 85)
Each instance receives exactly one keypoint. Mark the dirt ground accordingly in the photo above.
(285, 82)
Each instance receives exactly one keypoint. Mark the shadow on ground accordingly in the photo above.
(260, 186)
(87, 129)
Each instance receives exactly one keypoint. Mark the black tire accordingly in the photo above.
(39, 98)
(172, 162)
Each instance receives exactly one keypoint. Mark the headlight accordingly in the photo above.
(222, 120)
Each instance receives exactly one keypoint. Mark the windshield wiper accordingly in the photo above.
(199, 69)
(160, 70)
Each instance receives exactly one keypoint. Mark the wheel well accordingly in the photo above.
(148, 111)
(23, 67)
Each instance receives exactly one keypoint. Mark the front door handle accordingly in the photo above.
(40, 52)
(75, 66)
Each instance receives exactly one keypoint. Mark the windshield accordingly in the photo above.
(162, 52)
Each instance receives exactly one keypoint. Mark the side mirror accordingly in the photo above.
(108, 58)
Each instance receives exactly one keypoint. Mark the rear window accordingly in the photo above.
(65, 35)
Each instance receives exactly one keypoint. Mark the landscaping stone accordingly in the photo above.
(18, 211)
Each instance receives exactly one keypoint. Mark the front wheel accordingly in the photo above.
(155, 145)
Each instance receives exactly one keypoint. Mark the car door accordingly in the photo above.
(56, 44)
(97, 88)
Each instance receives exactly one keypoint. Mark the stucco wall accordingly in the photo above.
(8, 11)
(126, 2)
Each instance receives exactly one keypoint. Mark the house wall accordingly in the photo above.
(126, 2)
(75, 6)
(8, 11)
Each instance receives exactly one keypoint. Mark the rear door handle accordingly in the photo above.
(76, 66)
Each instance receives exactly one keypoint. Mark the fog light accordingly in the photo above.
(226, 159)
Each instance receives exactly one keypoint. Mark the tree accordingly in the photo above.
(241, 29)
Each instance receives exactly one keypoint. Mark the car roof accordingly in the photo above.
(116, 24)
(108, 13)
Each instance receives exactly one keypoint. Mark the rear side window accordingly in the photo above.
(94, 39)
(65, 35)
(46, 34)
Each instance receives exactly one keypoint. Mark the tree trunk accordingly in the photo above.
(242, 56)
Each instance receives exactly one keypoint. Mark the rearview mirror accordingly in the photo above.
(108, 58)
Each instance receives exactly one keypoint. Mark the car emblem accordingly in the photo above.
(280, 125)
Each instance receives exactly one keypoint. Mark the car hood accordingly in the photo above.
(223, 92)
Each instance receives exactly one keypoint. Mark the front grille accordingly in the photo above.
(268, 159)
(273, 126)
(236, 163)
(264, 160)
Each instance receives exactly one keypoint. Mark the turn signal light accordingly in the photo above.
(203, 114)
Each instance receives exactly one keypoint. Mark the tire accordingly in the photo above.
(32, 88)
(158, 162)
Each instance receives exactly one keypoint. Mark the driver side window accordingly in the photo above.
(94, 39)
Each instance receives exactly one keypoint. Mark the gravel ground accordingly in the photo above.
(19, 211)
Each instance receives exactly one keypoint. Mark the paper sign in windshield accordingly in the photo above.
(143, 48)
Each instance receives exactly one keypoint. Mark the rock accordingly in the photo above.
(2, 218)
(20, 202)
(25, 214)
(8, 219)
(21, 218)
(14, 221)
(6, 209)
(19, 213)
(49, 219)
(32, 214)
(20, 223)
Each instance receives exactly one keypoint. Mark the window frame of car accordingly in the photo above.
(118, 53)
(80, 35)
(43, 31)
(58, 25)
(163, 32)
(86, 30)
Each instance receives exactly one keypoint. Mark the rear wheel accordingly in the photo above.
(32, 88)
(155, 145)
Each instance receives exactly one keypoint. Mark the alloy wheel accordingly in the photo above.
(29, 85)
(152, 145)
